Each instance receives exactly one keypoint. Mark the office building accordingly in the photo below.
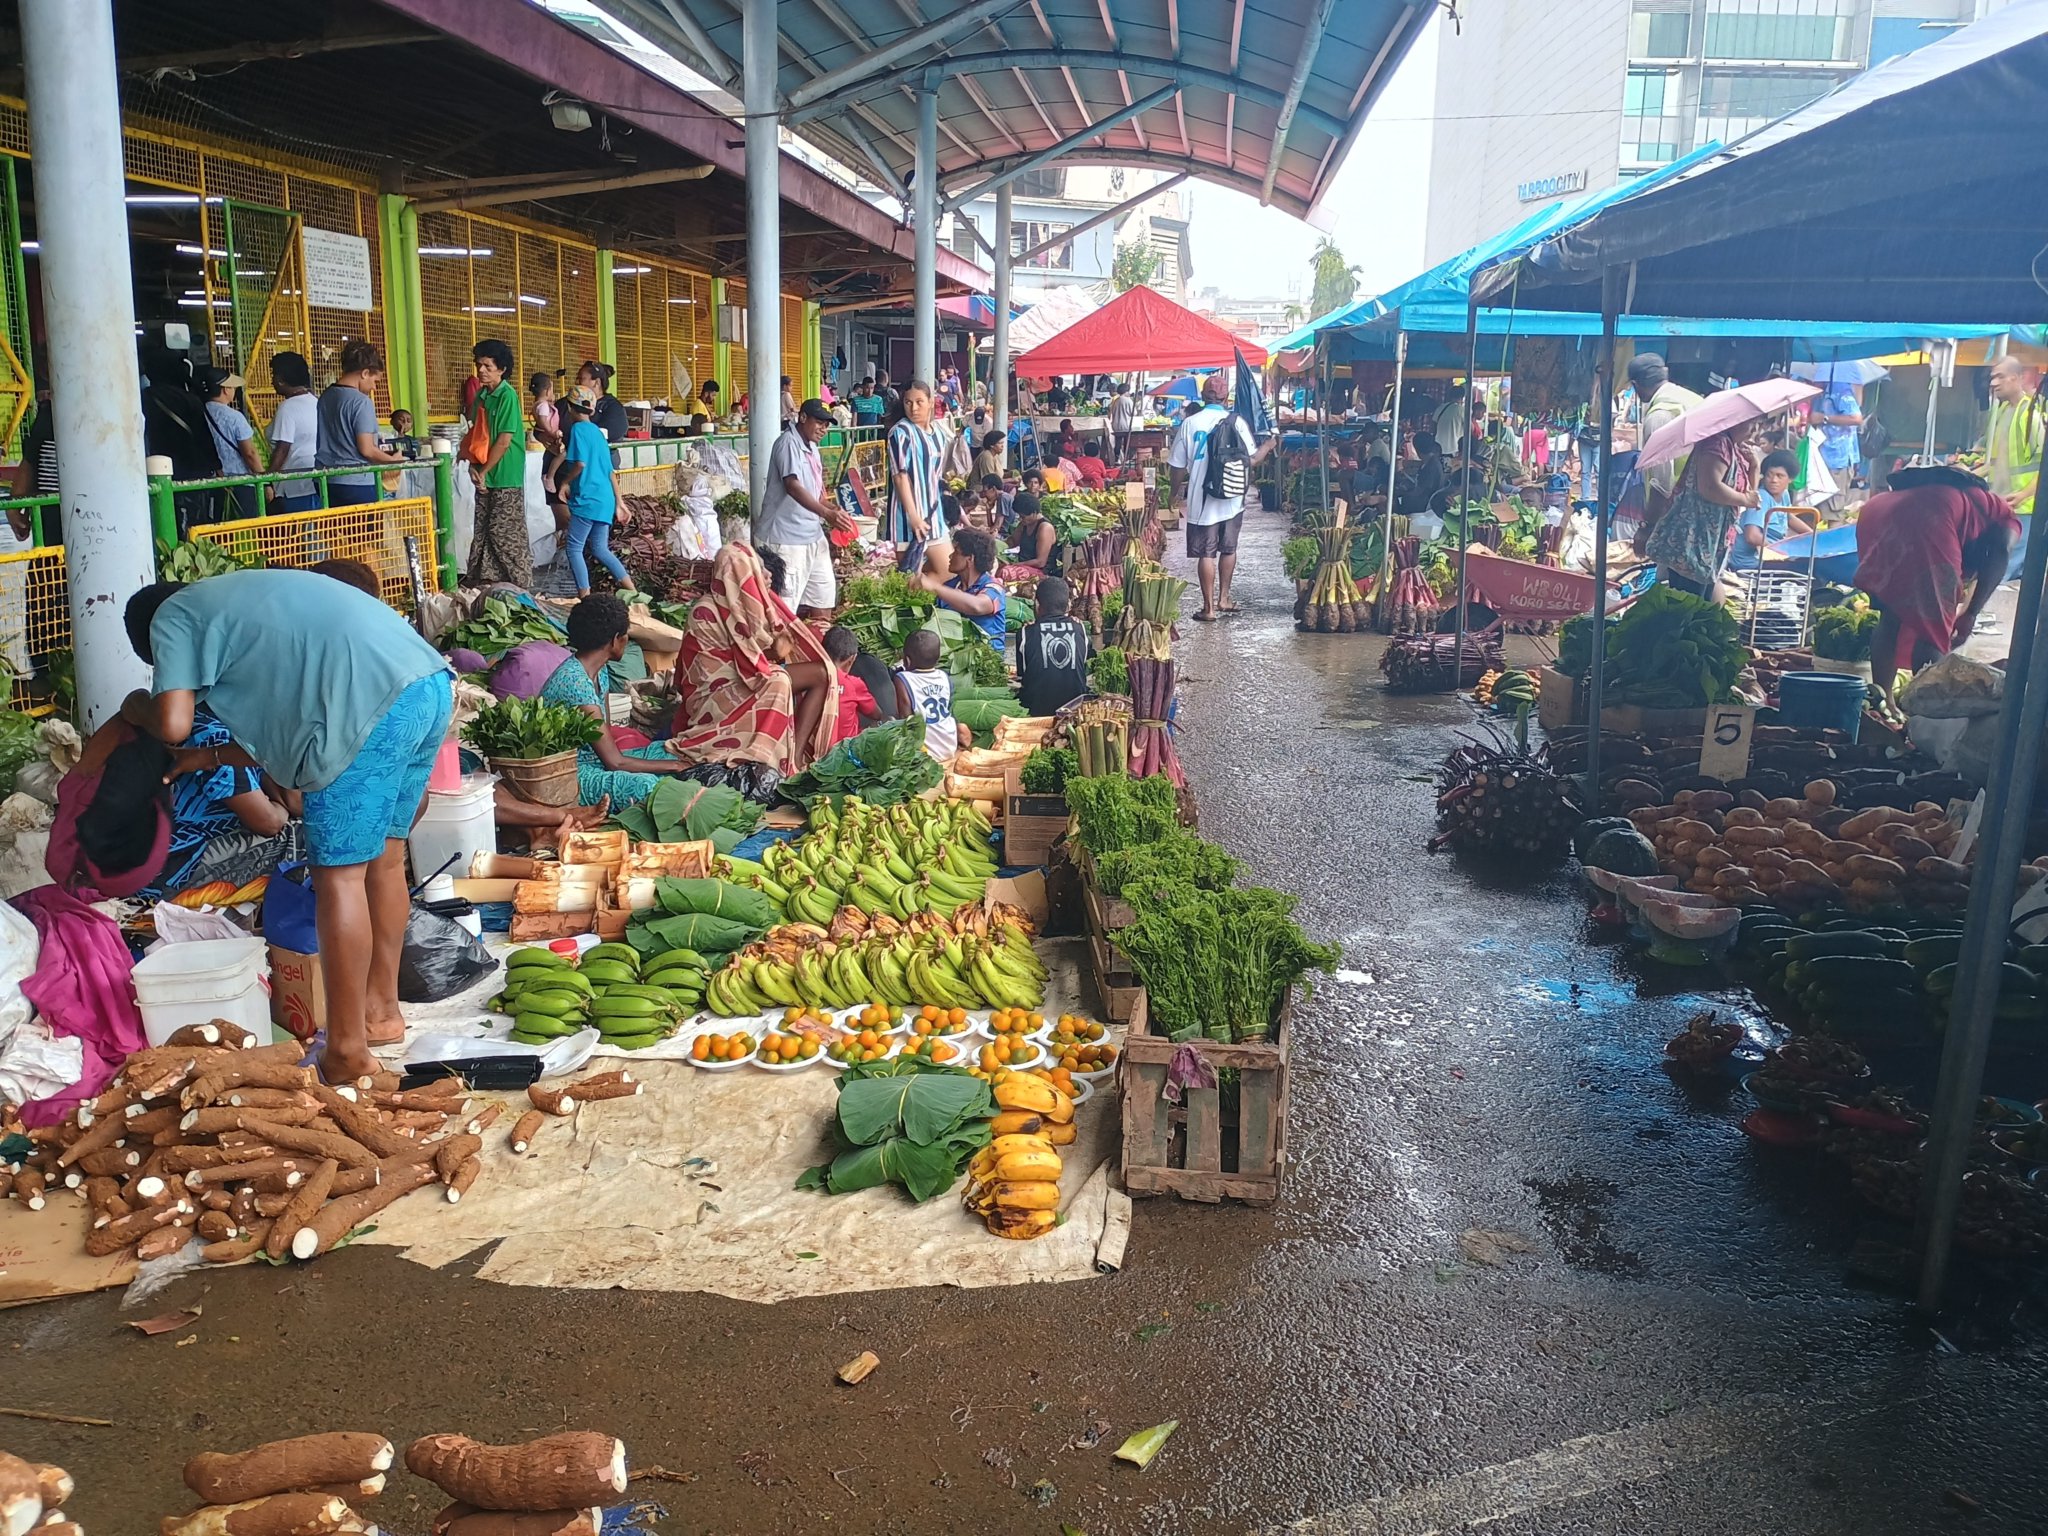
(1537, 101)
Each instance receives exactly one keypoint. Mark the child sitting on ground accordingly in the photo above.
(924, 689)
(1052, 653)
(857, 706)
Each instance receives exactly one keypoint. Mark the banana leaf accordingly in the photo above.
(717, 898)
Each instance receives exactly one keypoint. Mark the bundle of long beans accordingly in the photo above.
(1434, 664)
(1151, 702)
(1151, 609)
(1409, 604)
(1335, 605)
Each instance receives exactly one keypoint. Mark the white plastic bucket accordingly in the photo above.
(200, 981)
(460, 825)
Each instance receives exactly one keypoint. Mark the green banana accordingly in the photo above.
(558, 1003)
(535, 955)
(609, 973)
(634, 1042)
(669, 959)
(541, 1024)
(625, 954)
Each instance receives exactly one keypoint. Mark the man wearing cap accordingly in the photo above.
(234, 440)
(794, 514)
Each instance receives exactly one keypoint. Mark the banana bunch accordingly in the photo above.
(550, 996)
(1013, 1183)
(1482, 691)
(978, 965)
(895, 861)
(1511, 691)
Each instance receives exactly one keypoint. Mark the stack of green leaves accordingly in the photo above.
(684, 811)
(1116, 811)
(1672, 650)
(1109, 672)
(712, 917)
(906, 1122)
(499, 625)
(1218, 963)
(884, 764)
(530, 728)
(978, 706)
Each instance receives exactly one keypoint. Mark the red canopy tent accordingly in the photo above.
(1138, 331)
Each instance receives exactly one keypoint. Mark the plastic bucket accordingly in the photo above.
(200, 981)
(446, 776)
(1822, 701)
(456, 826)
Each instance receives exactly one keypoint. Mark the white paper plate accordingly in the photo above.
(724, 1066)
(785, 1066)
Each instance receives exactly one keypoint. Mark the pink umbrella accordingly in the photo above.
(1718, 412)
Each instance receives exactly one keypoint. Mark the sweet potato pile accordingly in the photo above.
(32, 1498)
(210, 1136)
(307, 1486)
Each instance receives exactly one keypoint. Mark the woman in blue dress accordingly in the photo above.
(597, 636)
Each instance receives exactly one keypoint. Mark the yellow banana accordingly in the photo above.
(1028, 1167)
(1003, 1146)
(1015, 1121)
(1061, 1135)
(1021, 1225)
(1034, 1094)
(1035, 1195)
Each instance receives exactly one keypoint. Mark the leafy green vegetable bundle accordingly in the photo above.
(500, 625)
(1177, 862)
(1116, 811)
(1046, 771)
(1844, 634)
(713, 917)
(884, 764)
(906, 1122)
(530, 728)
(1671, 650)
(1217, 963)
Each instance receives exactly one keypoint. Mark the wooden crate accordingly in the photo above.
(1031, 823)
(1201, 1149)
(1118, 996)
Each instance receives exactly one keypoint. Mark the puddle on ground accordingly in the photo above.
(1575, 1212)
(1585, 996)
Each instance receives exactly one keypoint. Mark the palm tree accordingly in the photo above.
(1292, 316)
(1336, 280)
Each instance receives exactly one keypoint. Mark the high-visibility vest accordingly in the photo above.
(2012, 442)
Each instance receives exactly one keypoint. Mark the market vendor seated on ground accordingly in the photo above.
(337, 698)
(597, 638)
(1038, 548)
(972, 591)
(1916, 547)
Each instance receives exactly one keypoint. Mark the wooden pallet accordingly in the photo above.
(1203, 1149)
(1118, 995)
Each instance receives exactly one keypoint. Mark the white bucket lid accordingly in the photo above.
(201, 970)
(454, 804)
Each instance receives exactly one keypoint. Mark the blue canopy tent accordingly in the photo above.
(1895, 197)
(1829, 555)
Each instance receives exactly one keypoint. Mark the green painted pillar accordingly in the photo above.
(721, 351)
(607, 311)
(398, 310)
(814, 351)
(405, 334)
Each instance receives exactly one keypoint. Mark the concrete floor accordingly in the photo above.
(1682, 1349)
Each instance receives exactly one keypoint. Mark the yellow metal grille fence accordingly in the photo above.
(374, 533)
(35, 619)
(661, 315)
(482, 278)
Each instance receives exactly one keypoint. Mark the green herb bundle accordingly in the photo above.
(1217, 963)
(1116, 811)
(906, 1122)
(201, 558)
(530, 728)
(1300, 556)
(1176, 863)
(1112, 608)
(498, 626)
(1109, 672)
(1047, 770)
(1844, 634)
(1672, 650)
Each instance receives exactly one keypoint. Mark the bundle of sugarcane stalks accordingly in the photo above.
(1335, 603)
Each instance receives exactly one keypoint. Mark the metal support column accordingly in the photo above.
(758, 60)
(2008, 802)
(924, 198)
(999, 358)
(1596, 680)
(1465, 486)
(608, 312)
(1393, 469)
(74, 120)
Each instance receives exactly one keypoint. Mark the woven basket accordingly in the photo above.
(543, 780)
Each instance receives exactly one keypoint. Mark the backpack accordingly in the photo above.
(1228, 472)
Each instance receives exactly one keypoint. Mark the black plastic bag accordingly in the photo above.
(754, 781)
(440, 958)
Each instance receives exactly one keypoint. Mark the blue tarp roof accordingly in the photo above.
(1910, 194)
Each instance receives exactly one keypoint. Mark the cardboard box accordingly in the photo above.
(1031, 823)
(298, 998)
(1554, 701)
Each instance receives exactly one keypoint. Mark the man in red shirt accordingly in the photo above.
(857, 706)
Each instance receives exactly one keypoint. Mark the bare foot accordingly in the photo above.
(338, 1067)
(386, 1029)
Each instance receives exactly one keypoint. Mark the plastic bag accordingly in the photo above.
(440, 958)
(35, 1063)
(288, 911)
(1954, 688)
(754, 781)
(20, 947)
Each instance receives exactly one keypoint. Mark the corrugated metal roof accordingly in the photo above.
(1262, 95)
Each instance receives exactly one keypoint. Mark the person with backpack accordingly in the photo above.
(1211, 464)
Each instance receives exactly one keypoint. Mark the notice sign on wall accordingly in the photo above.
(337, 270)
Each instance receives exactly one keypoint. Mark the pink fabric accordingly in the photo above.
(81, 988)
(65, 862)
(524, 670)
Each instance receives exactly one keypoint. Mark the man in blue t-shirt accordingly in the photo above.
(1839, 415)
(971, 591)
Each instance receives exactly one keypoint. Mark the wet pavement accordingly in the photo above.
(1518, 1281)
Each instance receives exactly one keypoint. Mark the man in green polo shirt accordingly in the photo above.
(499, 549)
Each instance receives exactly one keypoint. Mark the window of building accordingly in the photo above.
(1784, 31)
(1049, 182)
(1024, 234)
(1649, 153)
(1650, 92)
(1761, 96)
(964, 243)
(1657, 31)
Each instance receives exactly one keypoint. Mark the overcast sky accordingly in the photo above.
(1374, 207)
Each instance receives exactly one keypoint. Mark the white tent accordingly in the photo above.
(1047, 318)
